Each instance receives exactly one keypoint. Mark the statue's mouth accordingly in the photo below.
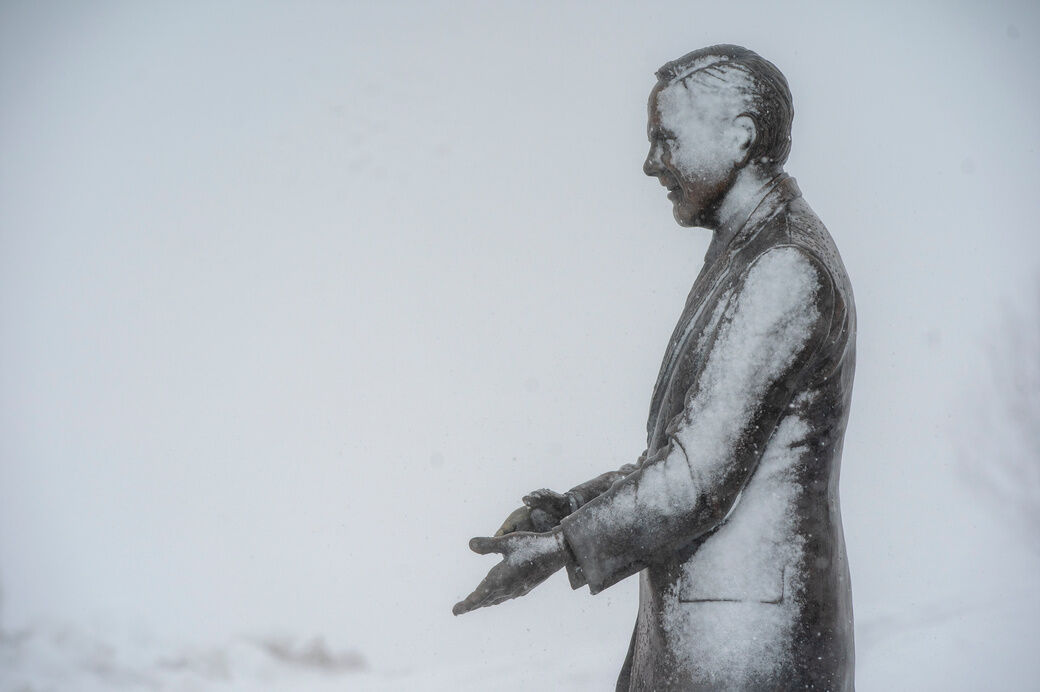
(671, 183)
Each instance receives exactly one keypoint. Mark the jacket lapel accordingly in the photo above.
(712, 275)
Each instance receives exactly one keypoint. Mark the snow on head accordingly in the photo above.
(746, 83)
(696, 108)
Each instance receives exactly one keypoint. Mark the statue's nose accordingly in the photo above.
(652, 165)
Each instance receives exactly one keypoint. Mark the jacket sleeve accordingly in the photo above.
(771, 329)
(580, 495)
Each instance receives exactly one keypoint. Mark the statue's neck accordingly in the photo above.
(747, 192)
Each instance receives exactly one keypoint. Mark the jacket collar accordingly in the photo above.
(741, 225)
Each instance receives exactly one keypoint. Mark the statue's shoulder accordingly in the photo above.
(800, 226)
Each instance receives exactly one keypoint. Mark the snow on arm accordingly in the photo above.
(765, 342)
(591, 489)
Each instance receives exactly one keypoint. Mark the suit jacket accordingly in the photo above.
(731, 516)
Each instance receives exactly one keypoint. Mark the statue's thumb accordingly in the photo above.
(482, 546)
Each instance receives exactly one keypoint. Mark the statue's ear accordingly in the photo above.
(745, 132)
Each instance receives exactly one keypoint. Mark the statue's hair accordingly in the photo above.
(765, 93)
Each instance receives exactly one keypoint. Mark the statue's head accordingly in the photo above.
(714, 112)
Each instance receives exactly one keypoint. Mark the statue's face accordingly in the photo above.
(691, 150)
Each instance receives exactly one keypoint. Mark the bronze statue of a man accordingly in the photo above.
(731, 516)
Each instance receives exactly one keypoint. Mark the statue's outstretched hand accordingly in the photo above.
(527, 560)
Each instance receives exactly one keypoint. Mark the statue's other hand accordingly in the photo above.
(548, 508)
(518, 520)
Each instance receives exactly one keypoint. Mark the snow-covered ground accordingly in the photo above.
(61, 659)
(986, 643)
(297, 298)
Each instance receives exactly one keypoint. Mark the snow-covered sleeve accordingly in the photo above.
(764, 348)
(591, 489)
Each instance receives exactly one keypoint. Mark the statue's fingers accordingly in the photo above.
(536, 497)
(465, 605)
(506, 529)
(484, 546)
(548, 501)
(542, 521)
(518, 520)
(482, 596)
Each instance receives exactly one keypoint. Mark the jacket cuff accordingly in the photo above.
(574, 573)
(584, 567)
(575, 576)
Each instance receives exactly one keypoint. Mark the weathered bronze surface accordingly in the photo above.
(731, 516)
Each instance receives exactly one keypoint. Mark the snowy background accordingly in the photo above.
(297, 297)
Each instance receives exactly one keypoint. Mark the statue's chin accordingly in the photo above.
(683, 219)
(685, 214)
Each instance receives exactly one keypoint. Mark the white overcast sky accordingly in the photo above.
(297, 297)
